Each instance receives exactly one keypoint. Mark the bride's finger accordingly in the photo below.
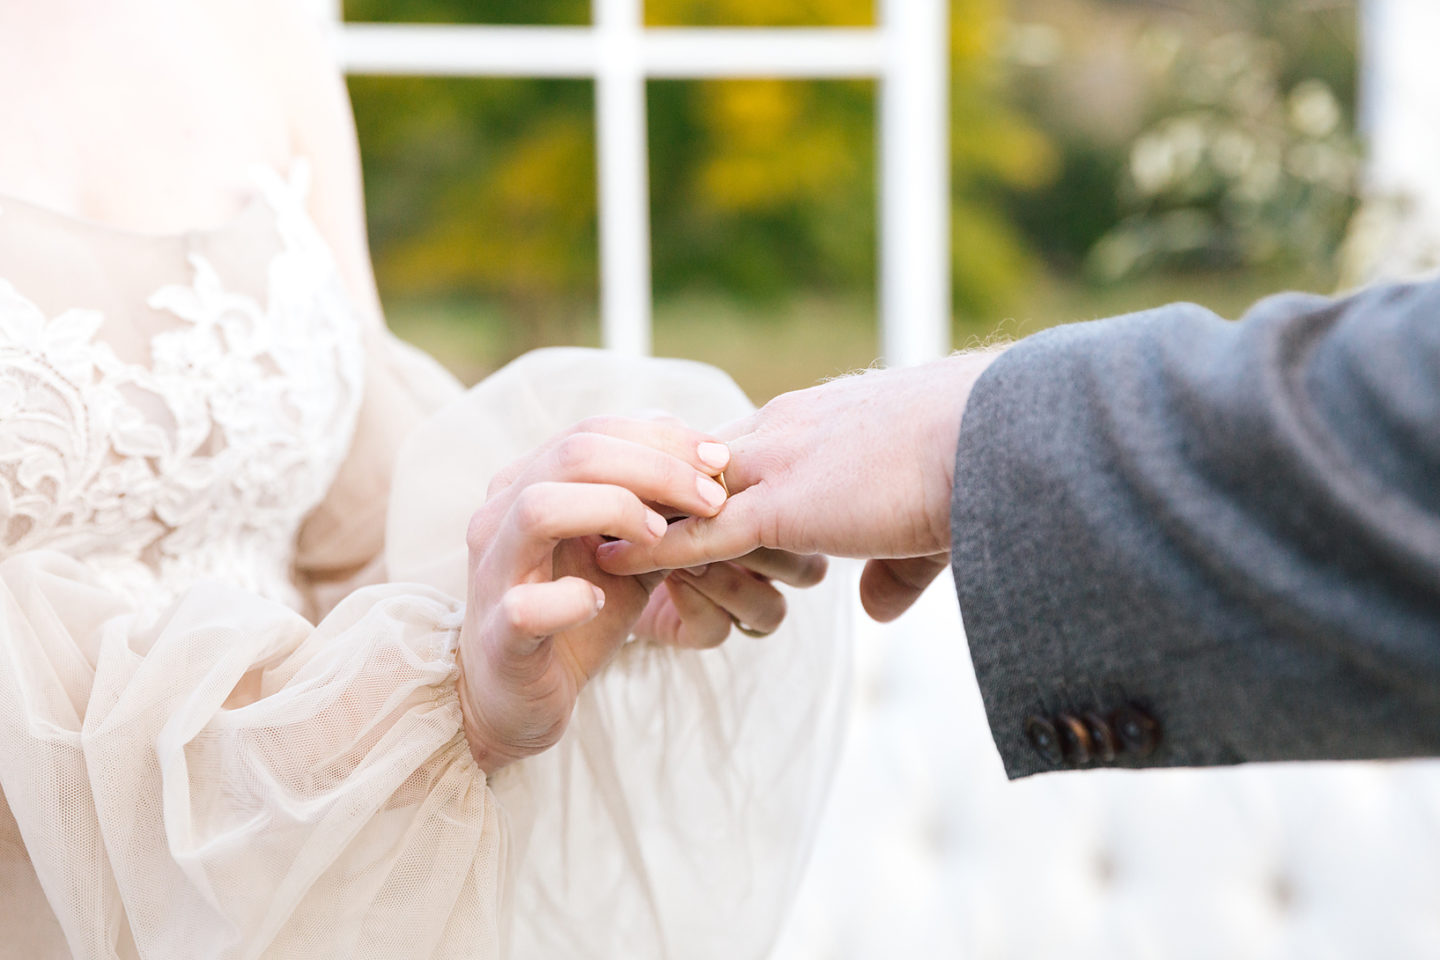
(654, 475)
(695, 447)
(530, 612)
(797, 570)
(664, 434)
(740, 594)
(693, 542)
(545, 513)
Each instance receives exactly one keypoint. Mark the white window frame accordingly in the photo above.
(907, 53)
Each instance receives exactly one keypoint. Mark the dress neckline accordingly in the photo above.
(256, 198)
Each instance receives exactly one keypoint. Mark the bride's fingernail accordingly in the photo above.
(656, 524)
(710, 491)
(698, 571)
(716, 456)
(607, 550)
(599, 597)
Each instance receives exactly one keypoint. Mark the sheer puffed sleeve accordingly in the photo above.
(341, 546)
(235, 782)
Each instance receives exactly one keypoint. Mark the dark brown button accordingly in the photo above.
(1074, 739)
(1138, 732)
(1102, 737)
(1045, 740)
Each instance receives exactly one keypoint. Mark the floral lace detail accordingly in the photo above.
(203, 463)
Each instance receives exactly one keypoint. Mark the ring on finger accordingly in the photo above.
(748, 631)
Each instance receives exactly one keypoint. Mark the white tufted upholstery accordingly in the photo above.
(928, 851)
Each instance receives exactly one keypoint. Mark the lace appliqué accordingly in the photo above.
(204, 463)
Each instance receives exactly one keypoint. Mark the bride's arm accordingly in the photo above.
(341, 545)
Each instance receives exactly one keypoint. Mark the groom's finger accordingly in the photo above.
(739, 594)
(668, 435)
(700, 622)
(797, 570)
(651, 474)
(664, 434)
(692, 542)
(890, 587)
(751, 460)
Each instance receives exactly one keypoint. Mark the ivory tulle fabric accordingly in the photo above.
(214, 742)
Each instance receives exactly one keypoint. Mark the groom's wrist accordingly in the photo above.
(962, 372)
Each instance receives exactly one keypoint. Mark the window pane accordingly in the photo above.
(760, 13)
(763, 197)
(481, 200)
(468, 11)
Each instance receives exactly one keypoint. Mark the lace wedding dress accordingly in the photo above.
(215, 742)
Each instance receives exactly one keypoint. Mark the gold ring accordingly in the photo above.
(720, 479)
(748, 631)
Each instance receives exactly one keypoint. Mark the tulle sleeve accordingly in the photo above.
(341, 546)
(235, 782)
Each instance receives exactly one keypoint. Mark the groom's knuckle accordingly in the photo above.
(783, 407)
(768, 531)
(771, 462)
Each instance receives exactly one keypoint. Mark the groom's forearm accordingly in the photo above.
(1231, 530)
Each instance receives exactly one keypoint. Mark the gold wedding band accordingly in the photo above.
(720, 479)
(748, 631)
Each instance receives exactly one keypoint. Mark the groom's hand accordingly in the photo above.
(860, 467)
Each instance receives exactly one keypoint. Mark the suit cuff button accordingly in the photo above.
(1075, 739)
(1139, 732)
(1104, 745)
(1045, 740)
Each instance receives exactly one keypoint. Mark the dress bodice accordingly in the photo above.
(171, 408)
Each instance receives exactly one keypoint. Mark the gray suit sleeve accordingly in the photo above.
(1180, 541)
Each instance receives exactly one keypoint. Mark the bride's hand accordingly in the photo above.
(541, 617)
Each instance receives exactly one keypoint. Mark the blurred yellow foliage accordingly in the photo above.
(759, 13)
(769, 150)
